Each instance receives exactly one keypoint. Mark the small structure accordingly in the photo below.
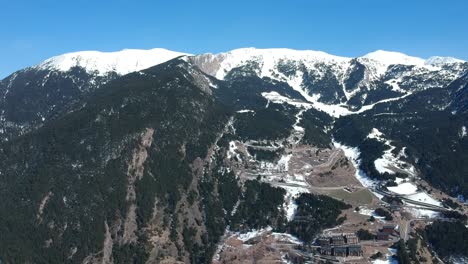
(355, 250)
(388, 229)
(351, 239)
(340, 251)
(294, 258)
(338, 240)
(382, 236)
(326, 251)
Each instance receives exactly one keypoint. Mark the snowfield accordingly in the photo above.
(122, 62)
(404, 188)
(269, 61)
(463, 132)
(424, 197)
(254, 233)
(390, 259)
(388, 162)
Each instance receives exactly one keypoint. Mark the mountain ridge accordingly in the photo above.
(122, 62)
(129, 60)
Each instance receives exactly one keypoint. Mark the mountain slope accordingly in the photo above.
(36, 95)
(94, 185)
(337, 85)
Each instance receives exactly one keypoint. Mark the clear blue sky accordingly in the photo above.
(31, 31)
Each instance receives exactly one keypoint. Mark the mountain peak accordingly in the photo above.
(121, 62)
(393, 57)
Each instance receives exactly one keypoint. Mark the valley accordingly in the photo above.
(300, 168)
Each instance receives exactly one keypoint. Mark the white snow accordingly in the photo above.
(423, 197)
(375, 133)
(395, 85)
(232, 151)
(463, 132)
(312, 63)
(392, 57)
(291, 208)
(293, 184)
(340, 109)
(389, 161)
(436, 60)
(254, 233)
(269, 58)
(366, 211)
(418, 213)
(390, 259)
(121, 62)
(245, 111)
(287, 237)
(298, 120)
(290, 205)
(399, 180)
(277, 98)
(404, 188)
(283, 163)
(353, 155)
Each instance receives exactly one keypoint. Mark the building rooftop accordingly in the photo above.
(340, 249)
(354, 246)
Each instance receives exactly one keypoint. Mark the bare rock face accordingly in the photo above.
(208, 63)
(135, 172)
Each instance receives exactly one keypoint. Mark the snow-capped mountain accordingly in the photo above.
(334, 84)
(38, 94)
(141, 157)
(390, 57)
(121, 62)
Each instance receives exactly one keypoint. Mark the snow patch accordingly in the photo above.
(283, 163)
(252, 234)
(423, 197)
(232, 151)
(366, 211)
(292, 192)
(375, 134)
(353, 155)
(405, 188)
(395, 86)
(389, 161)
(390, 259)
(277, 98)
(419, 213)
(463, 132)
(245, 111)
